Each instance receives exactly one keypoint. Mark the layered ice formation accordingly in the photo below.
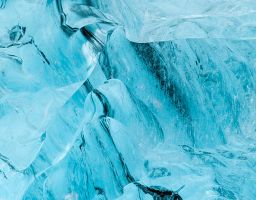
(128, 99)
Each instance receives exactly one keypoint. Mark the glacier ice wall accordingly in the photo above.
(128, 99)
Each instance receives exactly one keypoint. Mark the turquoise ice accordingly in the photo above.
(128, 99)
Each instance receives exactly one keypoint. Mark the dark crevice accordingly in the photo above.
(16, 33)
(105, 65)
(88, 86)
(6, 160)
(159, 193)
(16, 44)
(100, 191)
(3, 4)
(96, 42)
(4, 175)
(12, 57)
(20, 44)
(90, 2)
(68, 30)
(82, 144)
(41, 53)
(105, 103)
(205, 156)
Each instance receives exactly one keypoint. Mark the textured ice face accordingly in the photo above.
(127, 99)
(162, 20)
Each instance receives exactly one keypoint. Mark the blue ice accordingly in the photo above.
(128, 99)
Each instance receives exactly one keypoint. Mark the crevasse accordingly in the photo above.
(127, 99)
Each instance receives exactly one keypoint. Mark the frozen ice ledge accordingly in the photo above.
(127, 99)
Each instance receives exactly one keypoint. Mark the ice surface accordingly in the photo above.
(128, 99)
(162, 20)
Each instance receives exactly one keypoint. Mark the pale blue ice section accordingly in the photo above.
(128, 99)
